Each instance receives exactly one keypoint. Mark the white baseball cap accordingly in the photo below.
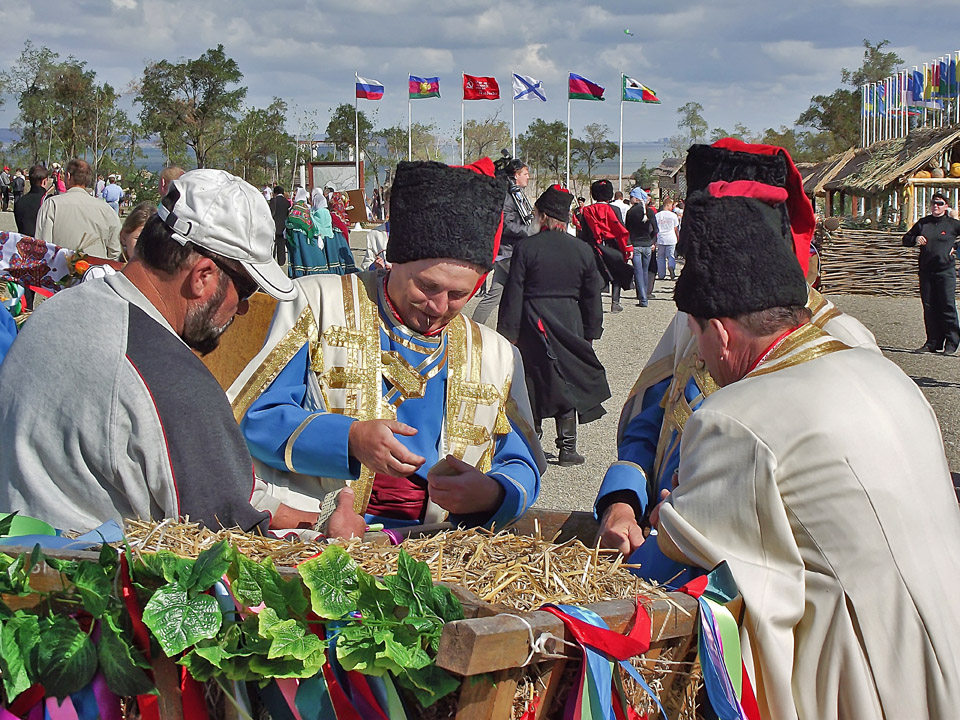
(228, 216)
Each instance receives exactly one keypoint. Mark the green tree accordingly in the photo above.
(694, 128)
(258, 138)
(30, 80)
(740, 132)
(341, 128)
(544, 147)
(836, 117)
(191, 102)
(594, 147)
(643, 176)
(485, 137)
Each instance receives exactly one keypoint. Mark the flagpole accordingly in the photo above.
(863, 115)
(568, 135)
(409, 141)
(513, 124)
(923, 94)
(461, 118)
(620, 176)
(356, 129)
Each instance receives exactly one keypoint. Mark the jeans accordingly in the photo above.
(666, 255)
(641, 261)
(501, 271)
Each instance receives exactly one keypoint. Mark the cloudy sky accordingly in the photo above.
(752, 61)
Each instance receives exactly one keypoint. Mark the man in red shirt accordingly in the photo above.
(604, 227)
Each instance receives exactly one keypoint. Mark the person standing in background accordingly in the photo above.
(113, 193)
(668, 230)
(5, 187)
(641, 221)
(279, 209)
(26, 209)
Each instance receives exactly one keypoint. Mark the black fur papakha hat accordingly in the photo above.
(738, 258)
(601, 190)
(439, 211)
(555, 202)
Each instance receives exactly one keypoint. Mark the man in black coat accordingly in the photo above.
(280, 208)
(552, 310)
(937, 234)
(25, 209)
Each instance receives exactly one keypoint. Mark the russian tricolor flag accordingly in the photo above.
(369, 89)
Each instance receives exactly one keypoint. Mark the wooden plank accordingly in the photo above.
(471, 647)
(551, 679)
(488, 697)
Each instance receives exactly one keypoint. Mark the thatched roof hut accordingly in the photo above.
(884, 166)
(817, 175)
(671, 176)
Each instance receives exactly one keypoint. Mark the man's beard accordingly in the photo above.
(199, 331)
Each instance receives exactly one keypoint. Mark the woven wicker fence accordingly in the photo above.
(868, 262)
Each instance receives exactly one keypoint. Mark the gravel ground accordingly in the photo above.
(629, 338)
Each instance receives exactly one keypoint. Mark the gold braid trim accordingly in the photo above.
(303, 332)
(803, 345)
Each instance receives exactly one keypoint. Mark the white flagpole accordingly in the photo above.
(620, 176)
(409, 140)
(923, 94)
(513, 124)
(568, 135)
(356, 129)
(956, 89)
(461, 118)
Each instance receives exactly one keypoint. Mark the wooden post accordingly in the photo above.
(488, 697)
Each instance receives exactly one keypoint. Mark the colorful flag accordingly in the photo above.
(635, 91)
(424, 87)
(369, 89)
(915, 92)
(881, 105)
(583, 89)
(480, 88)
(526, 88)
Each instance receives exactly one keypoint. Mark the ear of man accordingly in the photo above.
(201, 280)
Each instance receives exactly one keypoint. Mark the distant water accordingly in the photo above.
(634, 155)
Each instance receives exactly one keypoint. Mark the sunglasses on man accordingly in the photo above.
(938, 203)
(242, 283)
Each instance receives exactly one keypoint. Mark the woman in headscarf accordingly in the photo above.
(303, 239)
(337, 204)
(338, 256)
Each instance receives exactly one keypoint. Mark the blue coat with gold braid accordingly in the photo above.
(339, 354)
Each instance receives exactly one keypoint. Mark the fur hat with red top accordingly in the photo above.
(555, 202)
(738, 252)
(730, 159)
(443, 211)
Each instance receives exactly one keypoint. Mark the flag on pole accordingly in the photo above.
(480, 88)
(369, 89)
(421, 88)
(526, 88)
(635, 91)
(881, 105)
(915, 92)
(583, 89)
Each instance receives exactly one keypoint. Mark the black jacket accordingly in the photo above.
(26, 209)
(942, 234)
(551, 308)
(642, 223)
(279, 208)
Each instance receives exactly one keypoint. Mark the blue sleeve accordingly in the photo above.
(637, 451)
(285, 435)
(8, 332)
(515, 468)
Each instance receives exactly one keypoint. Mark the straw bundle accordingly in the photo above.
(518, 571)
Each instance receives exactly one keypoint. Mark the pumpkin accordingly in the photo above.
(937, 172)
(955, 169)
(922, 174)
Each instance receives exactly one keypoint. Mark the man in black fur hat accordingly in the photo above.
(553, 312)
(377, 379)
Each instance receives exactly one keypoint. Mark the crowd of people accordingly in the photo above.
(766, 434)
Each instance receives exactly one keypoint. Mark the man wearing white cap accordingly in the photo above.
(107, 411)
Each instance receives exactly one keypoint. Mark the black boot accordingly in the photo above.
(567, 439)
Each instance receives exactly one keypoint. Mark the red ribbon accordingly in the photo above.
(615, 645)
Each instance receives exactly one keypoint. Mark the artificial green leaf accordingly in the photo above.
(198, 666)
(411, 585)
(6, 523)
(67, 567)
(261, 667)
(121, 663)
(93, 585)
(67, 659)
(428, 684)
(374, 599)
(294, 593)
(253, 583)
(108, 556)
(445, 604)
(402, 657)
(332, 581)
(166, 565)
(210, 565)
(290, 637)
(177, 622)
(357, 648)
(14, 663)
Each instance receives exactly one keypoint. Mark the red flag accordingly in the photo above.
(480, 88)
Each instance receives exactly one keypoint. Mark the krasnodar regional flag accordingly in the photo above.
(480, 88)
(369, 89)
(582, 89)
(421, 88)
(526, 88)
(635, 91)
